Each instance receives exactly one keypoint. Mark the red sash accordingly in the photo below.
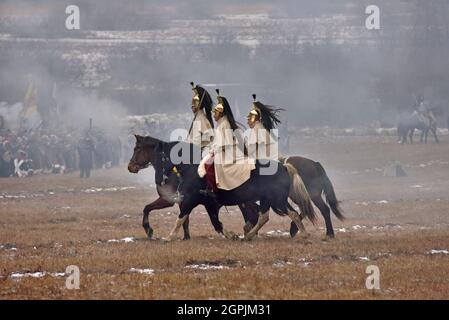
(210, 174)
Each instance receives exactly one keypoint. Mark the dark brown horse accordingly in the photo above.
(317, 184)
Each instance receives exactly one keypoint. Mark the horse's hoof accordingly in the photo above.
(247, 227)
(149, 233)
(328, 237)
(230, 235)
(305, 241)
(248, 238)
(293, 232)
(170, 238)
(186, 238)
(305, 235)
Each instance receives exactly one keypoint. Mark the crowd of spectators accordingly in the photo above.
(25, 153)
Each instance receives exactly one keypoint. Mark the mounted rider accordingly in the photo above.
(263, 140)
(226, 166)
(200, 132)
(423, 110)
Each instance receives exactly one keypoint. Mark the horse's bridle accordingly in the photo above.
(139, 166)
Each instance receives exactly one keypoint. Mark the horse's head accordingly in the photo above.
(145, 153)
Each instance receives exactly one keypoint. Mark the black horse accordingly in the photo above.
(408, 124)
(272, 191)
(168, 183)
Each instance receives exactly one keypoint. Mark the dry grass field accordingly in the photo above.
(50, 222)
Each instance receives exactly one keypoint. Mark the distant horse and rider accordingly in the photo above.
(422, 119)
(299, 179)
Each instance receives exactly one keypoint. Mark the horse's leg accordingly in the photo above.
(325, 211)
(424, 135)
(249, 211)
(434, 131)
(294, 215)
(185, 227)
(412, 132)
(263, 218)
(159, 203)
(185, 207)
(213, 210)
(314, 192)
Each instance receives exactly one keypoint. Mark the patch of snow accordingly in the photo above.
(363, 258)
(125, 240)
(382, 202)
(205, 267)
(433, 251)
(14, 197)
(142, 271)
(416, 186)
(277, 233)
(18, 275)
(126, 188)
(343, 230)
(306, 264)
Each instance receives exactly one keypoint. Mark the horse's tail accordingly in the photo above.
(298, 193)
(329, 192)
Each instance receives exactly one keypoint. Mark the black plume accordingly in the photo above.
(217, 91)
(192, 84)
(269, 115)
(206, 103)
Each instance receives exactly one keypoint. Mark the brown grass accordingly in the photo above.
(71, 227)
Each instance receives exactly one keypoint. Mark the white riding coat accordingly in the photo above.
(200, 133)
(232, 168)
(262, 144)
